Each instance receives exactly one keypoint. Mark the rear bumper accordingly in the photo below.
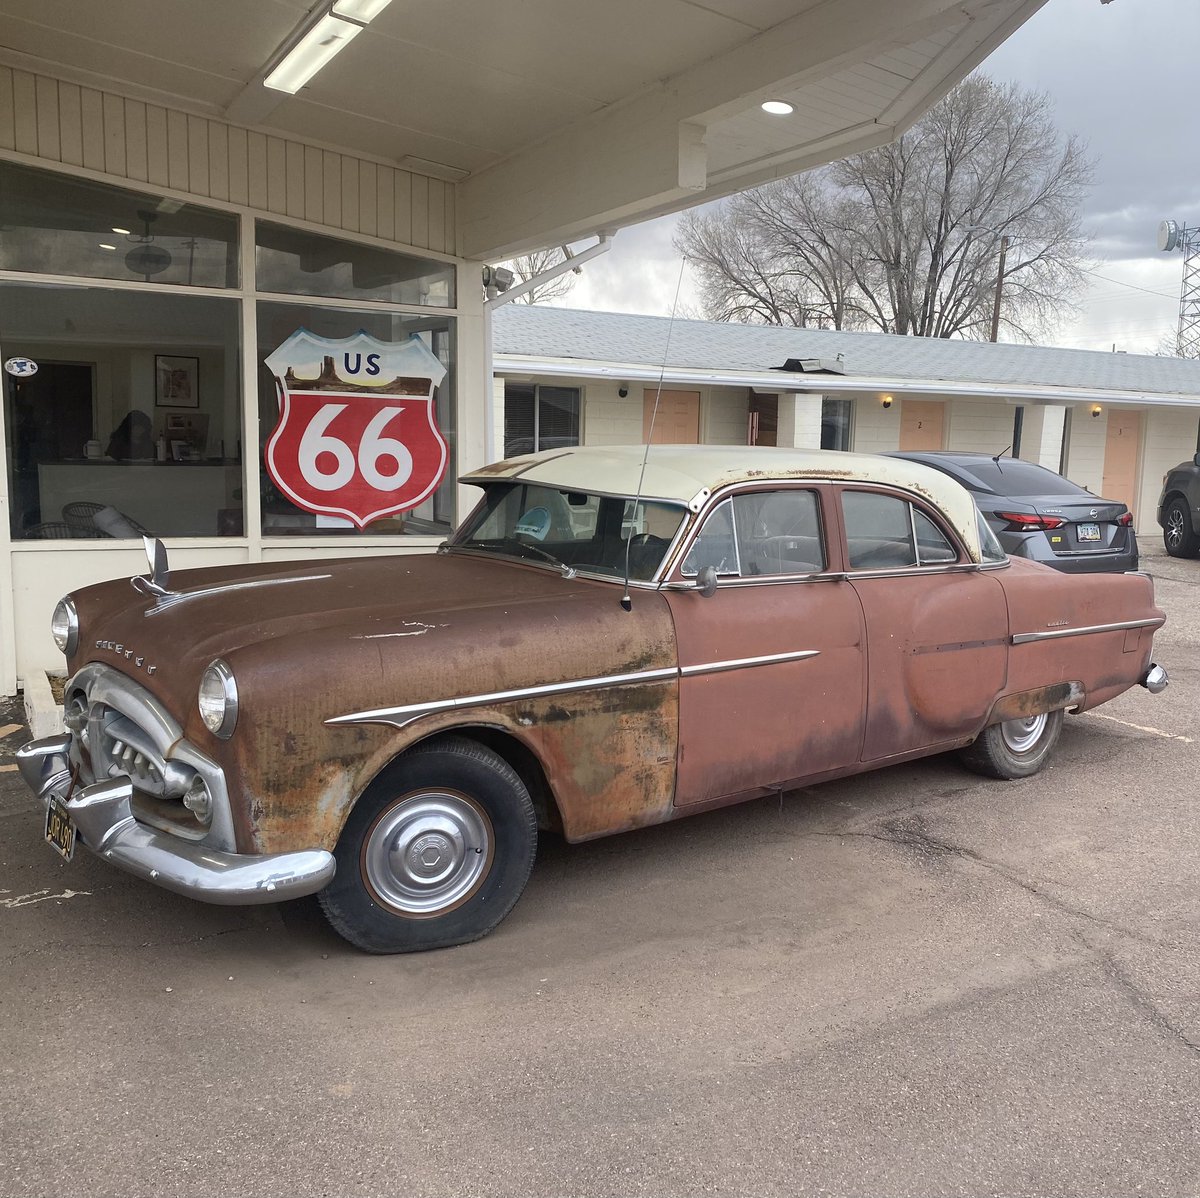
(103, 817)
(1155, 680)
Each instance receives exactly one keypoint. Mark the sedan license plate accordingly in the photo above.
(60, 831)
(1088, 532)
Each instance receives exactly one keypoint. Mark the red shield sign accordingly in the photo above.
(360, 440)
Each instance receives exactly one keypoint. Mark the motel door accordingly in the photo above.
(922, 424)
(1121, 445)
(677, 421)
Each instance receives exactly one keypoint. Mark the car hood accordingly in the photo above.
(364, 631)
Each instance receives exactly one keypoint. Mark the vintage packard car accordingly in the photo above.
(613, 638)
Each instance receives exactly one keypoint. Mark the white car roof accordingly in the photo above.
(687, 473)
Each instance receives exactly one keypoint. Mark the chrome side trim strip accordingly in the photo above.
(402, 716)
(171, 598)
(1023, 638)
(741, 663)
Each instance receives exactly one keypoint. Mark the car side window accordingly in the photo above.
(886, 533)
(715, 545)
(932, 546)
(878, 531)
(760, 533)
(779, 532)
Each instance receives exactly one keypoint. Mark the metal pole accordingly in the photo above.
(999, 288)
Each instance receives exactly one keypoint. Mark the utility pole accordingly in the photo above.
(1004, 244)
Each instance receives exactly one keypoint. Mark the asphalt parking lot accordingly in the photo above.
(916, 982)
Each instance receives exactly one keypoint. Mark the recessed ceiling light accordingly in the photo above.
(105, 246)
(777, 107)
(125, 232)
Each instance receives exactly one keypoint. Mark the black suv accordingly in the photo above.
(1179, 509)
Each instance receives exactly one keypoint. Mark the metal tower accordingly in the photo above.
(1172, 236)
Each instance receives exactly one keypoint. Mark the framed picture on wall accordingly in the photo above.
(177, 381)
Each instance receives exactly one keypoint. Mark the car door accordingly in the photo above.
(773, 677)
(936, 625)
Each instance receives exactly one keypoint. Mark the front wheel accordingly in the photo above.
(1179, 539)
(435, 853)
(1015, 749)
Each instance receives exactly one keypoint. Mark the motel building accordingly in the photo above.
(1113, 423)
(184, 203)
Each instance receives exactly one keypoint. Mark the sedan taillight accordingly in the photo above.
(1125, 518)
(1028, 522)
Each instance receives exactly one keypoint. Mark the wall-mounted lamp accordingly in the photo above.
(623, 390)
(1096, 410)
(887, 402)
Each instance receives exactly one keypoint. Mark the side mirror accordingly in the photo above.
(706, 581)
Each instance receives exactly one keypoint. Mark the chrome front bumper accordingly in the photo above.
(103, 817)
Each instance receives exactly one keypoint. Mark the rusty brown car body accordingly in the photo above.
(612, 640)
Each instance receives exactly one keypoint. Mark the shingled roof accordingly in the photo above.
(569, 336)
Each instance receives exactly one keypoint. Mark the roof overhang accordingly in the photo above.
(786, 382)
(561, 118)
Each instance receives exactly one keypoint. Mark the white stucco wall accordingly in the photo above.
(979, 427)
(1042, 433)
(799, 421)
(723, 416)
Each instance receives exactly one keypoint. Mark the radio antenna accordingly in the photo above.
(626, 599)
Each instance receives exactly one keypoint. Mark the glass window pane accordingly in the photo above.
(133, 420)
(835, 423)
(779, 532)
(276, 323)
(56, 225)
(558, 417)
(715, 545)
(931, 541)
(294, 262)
(878, 531)
(520, 432)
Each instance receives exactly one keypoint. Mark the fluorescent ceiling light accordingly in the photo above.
(119, 230)
(777, 107)
(364, 11)
(325, 39)
(105, 246)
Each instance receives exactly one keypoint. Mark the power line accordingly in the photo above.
(1132, 286)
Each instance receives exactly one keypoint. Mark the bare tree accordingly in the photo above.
(907, 238)
(528, 266)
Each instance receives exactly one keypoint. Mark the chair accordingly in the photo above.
(79, 515)
(57, 530)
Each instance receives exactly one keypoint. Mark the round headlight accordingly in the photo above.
(218, 699)
(64, 626)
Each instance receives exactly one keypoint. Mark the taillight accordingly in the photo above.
(1028, 522)
(1125, 518)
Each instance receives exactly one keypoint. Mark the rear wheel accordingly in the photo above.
(1016, 748)
(435, 853)
(1179, 538)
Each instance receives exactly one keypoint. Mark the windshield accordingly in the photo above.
(1015, 478)
(572, 529)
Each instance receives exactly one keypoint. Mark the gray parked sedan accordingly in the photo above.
(1038, 514)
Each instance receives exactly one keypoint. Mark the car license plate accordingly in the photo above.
(60, 831)
(1088, 532)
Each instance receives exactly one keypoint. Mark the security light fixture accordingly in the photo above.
(887, 401)
(1096, 410)
(777, 107)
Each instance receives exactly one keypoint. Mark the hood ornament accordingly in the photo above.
(159, 580)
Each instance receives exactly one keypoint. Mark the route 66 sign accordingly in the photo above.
(357, 436)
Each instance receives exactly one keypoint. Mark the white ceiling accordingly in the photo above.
(561, 116)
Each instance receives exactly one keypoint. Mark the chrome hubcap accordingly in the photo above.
(1175, 527)
(428, 853)
(1021, 735)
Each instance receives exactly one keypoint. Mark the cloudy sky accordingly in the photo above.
(1121, 76)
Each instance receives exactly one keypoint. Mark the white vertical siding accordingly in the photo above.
(1085, 452)
(1168, 438)
(64, 123)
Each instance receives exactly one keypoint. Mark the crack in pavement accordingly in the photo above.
(1144, 1003)
(912, 834)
